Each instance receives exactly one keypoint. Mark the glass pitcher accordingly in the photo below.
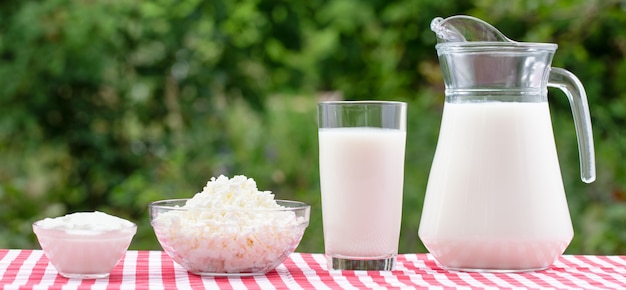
(495, 199)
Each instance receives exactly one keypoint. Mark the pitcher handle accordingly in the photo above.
(575, 92)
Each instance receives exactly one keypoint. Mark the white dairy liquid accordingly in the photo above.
(362, 175)
(495, 196)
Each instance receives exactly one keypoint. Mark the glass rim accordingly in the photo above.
(496, 46)
(362, 102)
(38, 223)
(177, 203)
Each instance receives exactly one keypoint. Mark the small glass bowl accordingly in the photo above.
(84, 254)
(228, 242)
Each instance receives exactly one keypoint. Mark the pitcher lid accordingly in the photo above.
(462, 32)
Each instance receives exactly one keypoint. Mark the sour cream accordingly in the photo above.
(84, 245)
(85, 222)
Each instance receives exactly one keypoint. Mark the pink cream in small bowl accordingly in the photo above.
(85, 245)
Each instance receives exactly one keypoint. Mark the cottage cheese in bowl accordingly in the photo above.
(230, 228)
(84, 245)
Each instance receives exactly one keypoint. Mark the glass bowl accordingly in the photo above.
(84, 254)
(228, 242)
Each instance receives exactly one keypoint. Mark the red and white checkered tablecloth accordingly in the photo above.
(29, 269)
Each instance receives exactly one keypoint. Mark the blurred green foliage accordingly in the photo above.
(109, 105)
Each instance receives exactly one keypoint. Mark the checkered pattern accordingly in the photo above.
(29, 269)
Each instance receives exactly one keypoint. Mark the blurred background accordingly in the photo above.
(109, 105)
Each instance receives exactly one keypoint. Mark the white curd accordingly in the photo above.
(229, 227)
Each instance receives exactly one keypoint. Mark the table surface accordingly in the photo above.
(30, 269)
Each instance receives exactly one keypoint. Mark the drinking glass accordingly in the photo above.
(361, 147)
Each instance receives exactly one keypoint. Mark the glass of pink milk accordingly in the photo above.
(361, 147)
